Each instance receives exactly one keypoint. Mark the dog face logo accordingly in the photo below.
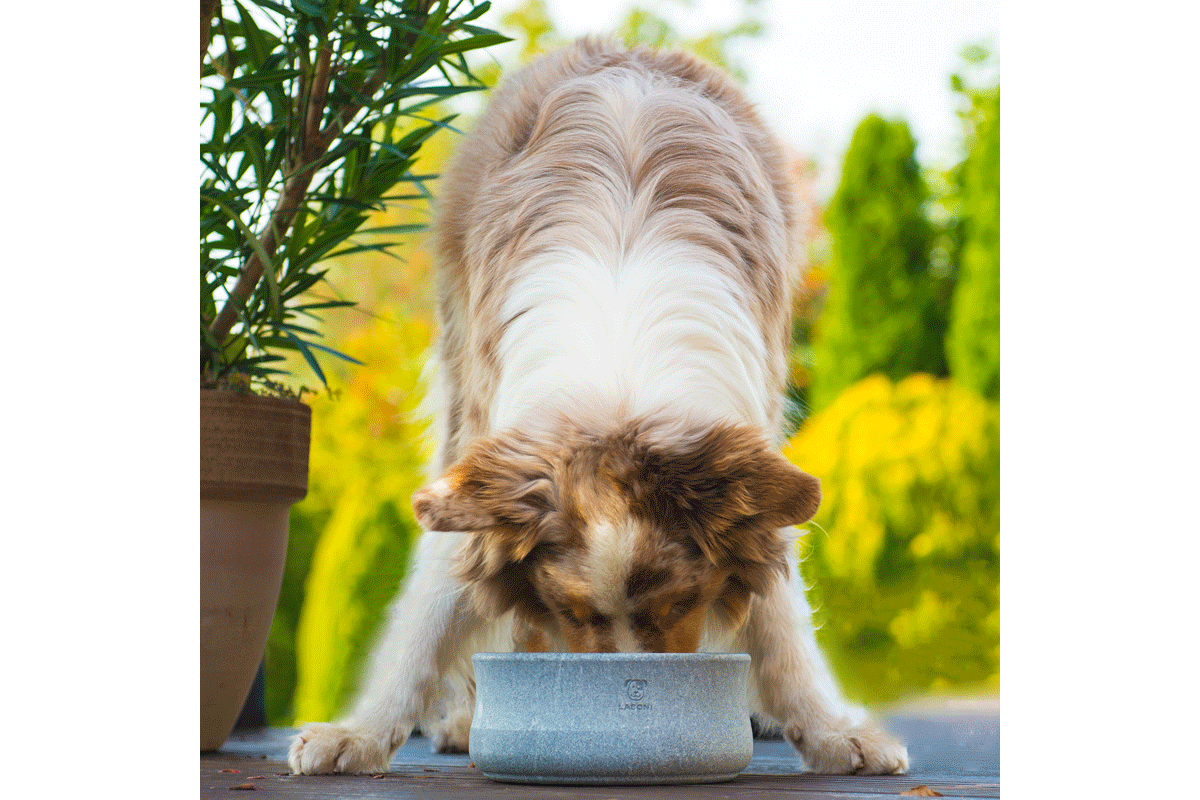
(635, 689)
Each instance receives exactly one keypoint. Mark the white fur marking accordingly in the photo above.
(608, 563)
(663, 328)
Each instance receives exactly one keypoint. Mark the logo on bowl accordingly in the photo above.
(635, 690)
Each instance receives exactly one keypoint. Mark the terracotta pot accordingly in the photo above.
(253, 467)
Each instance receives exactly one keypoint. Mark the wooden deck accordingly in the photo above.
(954, 749)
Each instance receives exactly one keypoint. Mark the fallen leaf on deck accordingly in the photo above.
(922, 791)
(243, 786)
(256, 778)
(380, 775)
(234, 771)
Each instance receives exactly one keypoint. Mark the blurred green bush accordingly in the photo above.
(351, 537)
(886, 310)
(973, 339)
(904, 554)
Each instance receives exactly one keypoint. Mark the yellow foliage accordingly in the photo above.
(922, 623)
(904, 552)
(368, 458)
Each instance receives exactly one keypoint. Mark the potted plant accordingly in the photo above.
(312, 114)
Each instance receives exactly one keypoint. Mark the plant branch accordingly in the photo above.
(281, 221)
(310, 149)
(208, 9)
(306, 153)
(371, 85)
(316, 105)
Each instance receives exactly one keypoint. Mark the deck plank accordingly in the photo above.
(953, 751)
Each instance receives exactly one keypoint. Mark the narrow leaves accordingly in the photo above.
(390, 63)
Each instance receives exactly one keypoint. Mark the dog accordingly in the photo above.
(614, 244)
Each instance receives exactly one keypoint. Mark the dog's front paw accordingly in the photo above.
(860, 750)
(453, 734)
(321, 749)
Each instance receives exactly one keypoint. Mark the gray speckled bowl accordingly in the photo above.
(611, 718)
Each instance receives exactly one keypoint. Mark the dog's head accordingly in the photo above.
(624, 541)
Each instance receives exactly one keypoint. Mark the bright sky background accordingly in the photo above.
(821, 67)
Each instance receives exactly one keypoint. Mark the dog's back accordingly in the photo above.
(616, 231)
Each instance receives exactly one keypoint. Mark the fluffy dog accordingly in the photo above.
(614, 244)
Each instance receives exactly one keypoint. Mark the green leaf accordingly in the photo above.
(297, 283)
(346, 201)
(279, 8)
(311, 9)
(333, 352)
(256, 150)
(260, 80)
(476, 12)
(255, 44)
(304, 350)
(473, 43)
(297, 329)
(326, 304)
(414, 227)
(380, 248)
(252, 240)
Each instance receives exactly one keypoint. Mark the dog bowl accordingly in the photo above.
(611, 718)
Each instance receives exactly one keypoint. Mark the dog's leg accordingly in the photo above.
(797, 688)
(424, 632)
(452, 733)
(449, 730)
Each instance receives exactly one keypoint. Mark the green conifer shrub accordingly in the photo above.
(885, 311)
(973, 338)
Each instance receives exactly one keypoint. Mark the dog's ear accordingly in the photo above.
(502, 493)
(448, 504)
(782, 494)
(501, 481)
(732, 492)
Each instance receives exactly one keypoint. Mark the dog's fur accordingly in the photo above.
(614, 249)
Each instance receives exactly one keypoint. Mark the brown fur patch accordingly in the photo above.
(727, 491)
(710, 500)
